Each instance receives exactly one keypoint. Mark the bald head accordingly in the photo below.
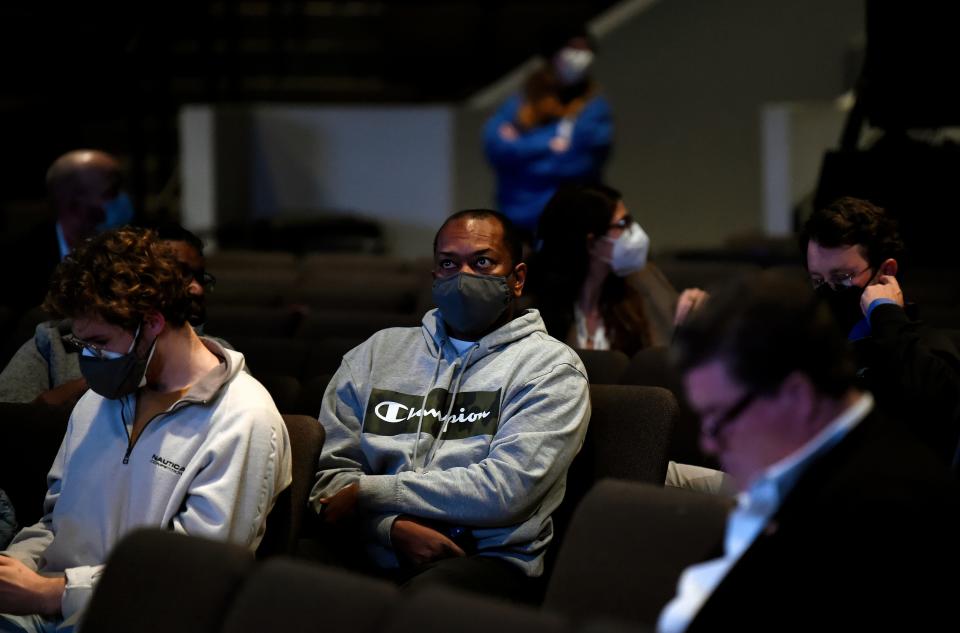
(82, 169)
(79, 184)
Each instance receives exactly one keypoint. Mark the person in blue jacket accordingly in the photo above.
(559, 130)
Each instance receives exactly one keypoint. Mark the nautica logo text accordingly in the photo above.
(395, 412)
(167, 464)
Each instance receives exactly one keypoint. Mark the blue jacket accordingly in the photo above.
(529, 171)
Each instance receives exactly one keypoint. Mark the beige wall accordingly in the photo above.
(687, 80)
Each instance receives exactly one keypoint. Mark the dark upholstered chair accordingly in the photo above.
(629, 432)
(285, 521)
(628, 437)
(157, 581)
(604, 367)
(31, 435)
(652, 367)
(440, 609)
(286, 595)
(626, 547)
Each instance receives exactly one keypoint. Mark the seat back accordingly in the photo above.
(158, 581)
(286, 595)
(626, 547)
(652, 367)
(436, 608)
(627, 439)
(31, 435)
(604, 367)
(285, 521)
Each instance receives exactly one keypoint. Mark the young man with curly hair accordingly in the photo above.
(172, 433)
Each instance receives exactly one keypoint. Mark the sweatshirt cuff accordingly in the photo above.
(378, 528)
(378, 493)
(80, 583)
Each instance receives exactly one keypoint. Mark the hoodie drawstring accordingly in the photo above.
(453, 397)
(423, 405)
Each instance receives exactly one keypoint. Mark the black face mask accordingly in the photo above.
(198, 312)
(844, 303)
(471, 303)
(114, 378)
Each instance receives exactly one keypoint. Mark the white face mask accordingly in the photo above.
(629, 250)
(572, 64)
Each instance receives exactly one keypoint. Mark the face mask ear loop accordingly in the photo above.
(136, 337)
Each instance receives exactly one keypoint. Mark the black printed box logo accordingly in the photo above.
(394, 413)
(173, 467)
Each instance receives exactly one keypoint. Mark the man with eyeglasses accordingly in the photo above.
(172, 434)
(851, 250)
(845, 520)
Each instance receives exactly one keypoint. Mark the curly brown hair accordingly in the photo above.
(120, 276)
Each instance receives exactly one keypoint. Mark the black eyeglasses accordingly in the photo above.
(622, 223)
(201, 276)
(838, 280)
(724, 420)
(75, 345)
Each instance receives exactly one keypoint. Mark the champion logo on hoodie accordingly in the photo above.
(394, 413)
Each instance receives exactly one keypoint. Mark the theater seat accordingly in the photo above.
(626, 547)
(157, 581)
(604, 367)
(285, 521)
(285, 595)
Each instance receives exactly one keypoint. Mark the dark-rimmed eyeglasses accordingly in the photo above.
(838, 280)
(76, 345)
(201, 276)
(722, 421)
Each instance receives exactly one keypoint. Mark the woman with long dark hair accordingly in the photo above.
(586, 274)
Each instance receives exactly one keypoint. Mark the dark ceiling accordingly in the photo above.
(114, 75)
(280, 50)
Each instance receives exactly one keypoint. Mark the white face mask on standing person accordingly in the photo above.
(572, 64)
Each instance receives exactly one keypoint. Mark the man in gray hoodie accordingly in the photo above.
(172, 433)
(449, 444)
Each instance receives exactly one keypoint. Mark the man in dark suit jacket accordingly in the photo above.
(846, 519)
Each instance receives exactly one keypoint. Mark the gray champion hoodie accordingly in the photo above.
(481, 440)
